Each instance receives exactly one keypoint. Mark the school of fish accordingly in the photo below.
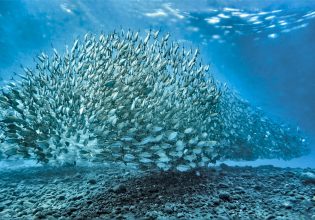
(145, 102)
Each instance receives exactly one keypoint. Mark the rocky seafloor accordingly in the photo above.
(112, 192)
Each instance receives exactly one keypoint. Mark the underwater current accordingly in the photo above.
(137, 109)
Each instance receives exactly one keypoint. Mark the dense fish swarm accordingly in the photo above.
(146, 102)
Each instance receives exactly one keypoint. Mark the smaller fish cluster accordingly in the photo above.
(249, 132)
(146, 102)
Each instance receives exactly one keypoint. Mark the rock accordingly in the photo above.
(132, 207)
(117, 211)
(216, 202)
(269, 217)
(71, 210)
(168, 208)
(224, 196)
(7, 203)
(37, 210)
(290, 193)
(22, 213)
(258, 187)
(152, 215)
(92, 181)
(79, 176)
(222, 217)
(276, 191)
(120, 188)
(180, 215)
(40, 215)
(232, 206)
(62, 197)
(77, 198)
(308, 177)
(287, 205)
(28, 204)
(240, 189)
(223, 185)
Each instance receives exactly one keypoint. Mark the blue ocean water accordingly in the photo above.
(263, 49)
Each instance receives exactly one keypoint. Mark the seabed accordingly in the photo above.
(113, 192)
